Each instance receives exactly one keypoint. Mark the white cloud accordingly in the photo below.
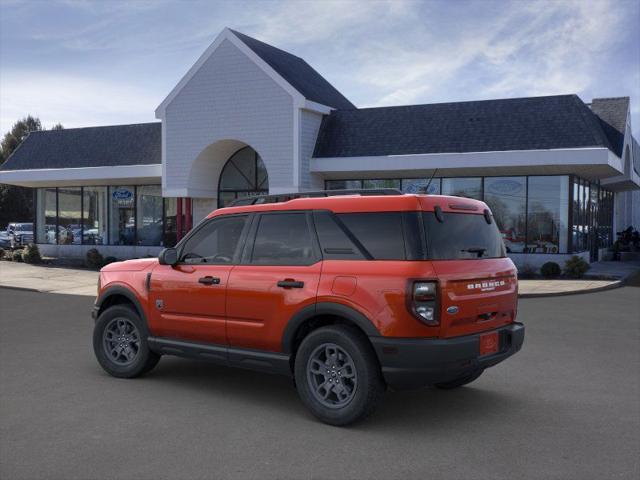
(71, 100)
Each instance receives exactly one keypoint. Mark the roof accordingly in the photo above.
(551, 122)
(612, 113)
(298, 73)
(138, 144)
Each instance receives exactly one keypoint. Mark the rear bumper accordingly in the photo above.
(413, 363)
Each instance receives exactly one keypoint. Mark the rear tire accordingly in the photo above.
(337, 375)
(459, 382)
(120, 343)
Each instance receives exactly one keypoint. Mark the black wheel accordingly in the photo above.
(120, 343)
(337, 375)
(459, 382)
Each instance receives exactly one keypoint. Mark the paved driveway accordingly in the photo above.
(565, 407)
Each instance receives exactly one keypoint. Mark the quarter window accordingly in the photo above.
(215, 243)
(283, 239)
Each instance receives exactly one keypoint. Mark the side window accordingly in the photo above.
(379, 233)
(215, 243)
(283, 239)
(334, 242)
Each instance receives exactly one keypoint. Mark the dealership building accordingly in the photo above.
(561, 175)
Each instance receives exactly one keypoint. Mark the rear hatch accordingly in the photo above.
(478, 287)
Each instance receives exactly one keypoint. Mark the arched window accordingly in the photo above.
(243, 175)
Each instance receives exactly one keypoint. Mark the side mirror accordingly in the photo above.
(168, 256)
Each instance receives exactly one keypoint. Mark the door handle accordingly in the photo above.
(209, 280)
(288, 283)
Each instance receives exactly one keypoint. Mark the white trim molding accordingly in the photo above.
(52, 177)
(592, 163)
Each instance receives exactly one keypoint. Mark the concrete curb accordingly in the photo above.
(614, 285)
(57, 292)
(26, 289)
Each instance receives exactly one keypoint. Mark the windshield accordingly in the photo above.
(462, 236)
(23, 227)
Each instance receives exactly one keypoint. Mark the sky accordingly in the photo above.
(86, 63)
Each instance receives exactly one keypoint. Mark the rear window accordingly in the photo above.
(462, 236)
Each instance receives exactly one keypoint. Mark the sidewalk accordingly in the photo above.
(48, 279)
(71, 281)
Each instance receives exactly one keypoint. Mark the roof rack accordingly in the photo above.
(285, 197)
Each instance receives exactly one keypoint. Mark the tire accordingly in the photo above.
(131, 358)
(459, 382)
(358, 381)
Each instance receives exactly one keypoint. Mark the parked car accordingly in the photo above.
(348, 295)
(19, 234)
(4, 240)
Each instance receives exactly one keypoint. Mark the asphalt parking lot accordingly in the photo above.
(565, 407)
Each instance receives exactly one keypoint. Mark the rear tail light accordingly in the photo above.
(423, 302)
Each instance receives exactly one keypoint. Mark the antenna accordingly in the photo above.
(426, 190)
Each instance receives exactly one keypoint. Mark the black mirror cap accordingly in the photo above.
(168, 256)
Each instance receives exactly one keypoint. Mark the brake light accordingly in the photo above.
(423, 302)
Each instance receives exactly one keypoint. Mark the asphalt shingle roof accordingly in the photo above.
(138, 144)
(298, 73)
(551, 122)
(612, 113)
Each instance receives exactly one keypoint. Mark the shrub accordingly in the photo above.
(2, 252)
(108, 260)
(575, 267)
(31, 254)
(527, 271)
(17, 256)
(550, 270)
(94, 259)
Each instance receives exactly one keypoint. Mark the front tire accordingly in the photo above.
(337, 375)
(120, 343)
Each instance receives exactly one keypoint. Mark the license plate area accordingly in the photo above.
(489, 343)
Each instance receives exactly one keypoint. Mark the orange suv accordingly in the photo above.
(347, 292)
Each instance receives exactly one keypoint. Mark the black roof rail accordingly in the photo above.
(285, 197)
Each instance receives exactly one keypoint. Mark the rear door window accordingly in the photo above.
(336, 242)
(381, 233)
(283, 239)
(462, 236)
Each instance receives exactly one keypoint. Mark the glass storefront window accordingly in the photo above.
(122, 222)
(390, 183)
(421, 185)
(70, 216)
(243, 175)
(343, 184)
(463, 187)
(94, 215)
(547, 214)
(149, 215)
(46, 215)
(170, 232)
(507, 199)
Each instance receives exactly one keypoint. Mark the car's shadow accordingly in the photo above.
(407, 410)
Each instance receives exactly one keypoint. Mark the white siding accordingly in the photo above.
(309, 127)
(229, 98)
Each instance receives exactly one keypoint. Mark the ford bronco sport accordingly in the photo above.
(347, 292)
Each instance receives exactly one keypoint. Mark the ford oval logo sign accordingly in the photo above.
(505, 187)
(452, 310)
(122, 194)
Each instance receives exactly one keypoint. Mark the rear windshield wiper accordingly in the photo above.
(478, 250)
